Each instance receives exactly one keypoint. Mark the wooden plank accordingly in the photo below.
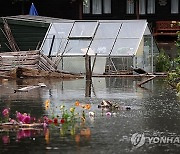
(31, 52)
(50, 62)
(145, 81)
(17, 58)
(16, 63)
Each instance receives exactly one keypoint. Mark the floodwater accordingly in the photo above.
(151, 126)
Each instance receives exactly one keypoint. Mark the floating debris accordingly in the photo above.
(109, 105)
(28, 88)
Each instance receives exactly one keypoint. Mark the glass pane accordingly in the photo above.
(58, 46)
(125, 47)
(77, 47)
(127, 31)
(142, 6)
(61, 30)
(151, 7)
(85, 29)
(130, 6)
(86, 6)
(105, 30)
(102, 46)
(174, 6)
(96, 6)
(107, 6)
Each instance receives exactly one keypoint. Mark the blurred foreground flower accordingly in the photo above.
(47, 104)
(24, 118)
(77, 103)
(108, 113)
(87, 106)
(91, 114)
(5, 112)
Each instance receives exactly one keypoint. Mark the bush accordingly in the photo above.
(163, 63)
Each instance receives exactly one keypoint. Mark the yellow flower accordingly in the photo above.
(72, 109)
(47, 104)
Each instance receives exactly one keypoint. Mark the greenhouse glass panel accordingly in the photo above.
(47, 44)
(107, 30)
(61, 30)
(83, 29)
(58, 46)
(125, 47)
(77, 47)
(132, 30)
(102, 46)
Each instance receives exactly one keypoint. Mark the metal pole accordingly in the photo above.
(50, 50)
(152, 55)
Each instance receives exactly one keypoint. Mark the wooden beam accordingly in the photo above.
(145, 81)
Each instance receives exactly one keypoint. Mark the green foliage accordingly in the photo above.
(172, 77)
(178, 87)
(163, 63)
(177, 60)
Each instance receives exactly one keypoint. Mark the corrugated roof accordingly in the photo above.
(41, 19)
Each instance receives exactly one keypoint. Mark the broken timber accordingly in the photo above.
(30, 64)
(145, 81)
(26, 89)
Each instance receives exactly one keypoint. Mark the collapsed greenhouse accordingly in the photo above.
(114, 46)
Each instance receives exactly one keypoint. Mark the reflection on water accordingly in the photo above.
(155, 111)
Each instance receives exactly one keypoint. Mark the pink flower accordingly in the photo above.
(45, 119)
(5, 112)
(45, 125)
(26, 119)
(13, 121)
(19, 116)
(108, 113)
